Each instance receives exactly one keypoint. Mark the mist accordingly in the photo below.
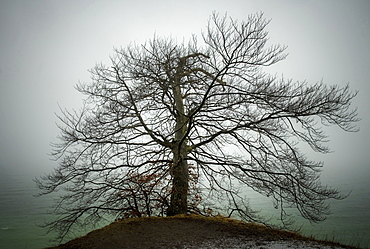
(47, 47)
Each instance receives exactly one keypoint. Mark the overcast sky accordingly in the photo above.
(46, 48)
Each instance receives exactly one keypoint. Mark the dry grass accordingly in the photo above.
(192, 231)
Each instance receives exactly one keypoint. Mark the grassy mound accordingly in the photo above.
(191, 231)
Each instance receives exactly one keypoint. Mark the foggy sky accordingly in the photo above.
(46, 48)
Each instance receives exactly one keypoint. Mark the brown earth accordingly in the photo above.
(191, 232)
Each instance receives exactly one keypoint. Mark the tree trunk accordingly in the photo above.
(180, 171)
(179, 194)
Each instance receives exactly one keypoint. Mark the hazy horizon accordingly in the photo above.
(48, 46)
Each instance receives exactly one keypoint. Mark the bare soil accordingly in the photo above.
(191, 232)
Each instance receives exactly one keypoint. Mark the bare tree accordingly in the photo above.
(166, 116)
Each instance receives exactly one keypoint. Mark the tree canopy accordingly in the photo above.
(172, 128)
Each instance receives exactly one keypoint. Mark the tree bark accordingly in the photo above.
(180, 171)
(179, 194)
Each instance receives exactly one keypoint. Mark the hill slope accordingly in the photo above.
(191, 232)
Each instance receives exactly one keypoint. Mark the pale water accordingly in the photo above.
(20, 213)
(349, 222)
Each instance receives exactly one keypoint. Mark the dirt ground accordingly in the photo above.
(191, 232)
